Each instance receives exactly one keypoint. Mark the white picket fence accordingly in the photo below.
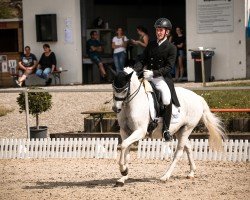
(59, 148)
(235, 151)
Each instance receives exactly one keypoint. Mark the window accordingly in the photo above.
(9, 40)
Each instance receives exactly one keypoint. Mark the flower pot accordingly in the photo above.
(38, 133)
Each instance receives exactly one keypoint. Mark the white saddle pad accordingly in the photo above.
(175, 118)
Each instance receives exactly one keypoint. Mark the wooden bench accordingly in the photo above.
(98, 116)
(55, 74)
(91, 74)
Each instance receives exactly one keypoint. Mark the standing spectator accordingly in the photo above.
(119, 44)
(142, 42)
(179, 42)
(47, 64)
(94, 48)
(26, 66)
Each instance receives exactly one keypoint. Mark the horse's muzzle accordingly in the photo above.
(115, 109)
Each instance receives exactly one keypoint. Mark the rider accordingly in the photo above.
(157, 61)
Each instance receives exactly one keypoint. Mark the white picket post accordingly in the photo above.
(240, 151)
(200, 149)
(6, 148)
(98, 151)
(110, 150)
(230, 150)
(115, 148)
(245, 149)
(143, 149)
(62, 142)
(148, 147)
(2, 147)
(57, 148)
(196, 141)
(205, 149)
(70, 151)
(83, 151)
(139, 149)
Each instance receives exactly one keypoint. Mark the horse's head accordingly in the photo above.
(121, 89)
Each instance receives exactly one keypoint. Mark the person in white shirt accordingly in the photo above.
(119, 44)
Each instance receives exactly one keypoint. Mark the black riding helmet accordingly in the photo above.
(163, 23)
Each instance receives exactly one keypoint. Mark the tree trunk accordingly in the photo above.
(37, 122)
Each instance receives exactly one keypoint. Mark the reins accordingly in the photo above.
(133, 94)
(129, 97)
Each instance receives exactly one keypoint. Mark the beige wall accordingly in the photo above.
(229, 61)
(69, 55)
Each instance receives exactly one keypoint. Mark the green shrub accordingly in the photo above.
(39, 102)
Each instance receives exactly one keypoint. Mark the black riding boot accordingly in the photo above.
(166, 122)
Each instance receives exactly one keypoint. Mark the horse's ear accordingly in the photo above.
(128, 77)
(113, 71)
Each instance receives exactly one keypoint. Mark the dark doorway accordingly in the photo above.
(131, 13)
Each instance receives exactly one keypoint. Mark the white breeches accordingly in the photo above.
(162, 86)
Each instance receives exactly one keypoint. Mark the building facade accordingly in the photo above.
(74, 17)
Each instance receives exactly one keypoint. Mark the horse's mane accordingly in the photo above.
(128, 70)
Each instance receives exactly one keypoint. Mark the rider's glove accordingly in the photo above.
(148, 74)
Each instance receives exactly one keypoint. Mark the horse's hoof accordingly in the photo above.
(163, 179)
(119, 184)
(190, 177)
(125, 173)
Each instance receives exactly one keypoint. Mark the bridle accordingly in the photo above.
(128, 97)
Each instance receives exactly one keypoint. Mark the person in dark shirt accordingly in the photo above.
(47, 64)
(156, 63)
(94, 48)
(26, 66)
(179, 42)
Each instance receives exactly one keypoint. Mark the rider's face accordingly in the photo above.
(160, 33)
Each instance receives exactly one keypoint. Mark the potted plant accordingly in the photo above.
(39, 102)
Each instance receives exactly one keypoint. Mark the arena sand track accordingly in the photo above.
(24, 179)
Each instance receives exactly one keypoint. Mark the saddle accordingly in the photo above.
(158, 105)
(157, 100)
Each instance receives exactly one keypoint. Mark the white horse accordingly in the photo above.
(132, 107)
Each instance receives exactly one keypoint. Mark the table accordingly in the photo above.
(98, 116)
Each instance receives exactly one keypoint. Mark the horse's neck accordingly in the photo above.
(137, 92)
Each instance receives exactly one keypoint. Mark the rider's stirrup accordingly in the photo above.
(167, 136)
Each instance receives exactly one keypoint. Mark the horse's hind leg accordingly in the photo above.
(188, 149)
(182, 137)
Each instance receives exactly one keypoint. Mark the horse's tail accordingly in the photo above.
(214, 126)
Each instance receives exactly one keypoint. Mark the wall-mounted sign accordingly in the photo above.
(68, 32)
(214, 16)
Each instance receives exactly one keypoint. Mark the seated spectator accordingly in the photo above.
(94, 48)
(46, 64)
(26, 66)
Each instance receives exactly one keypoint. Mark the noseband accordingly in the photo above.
(128, 97)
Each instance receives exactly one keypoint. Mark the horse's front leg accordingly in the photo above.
(124, 157)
